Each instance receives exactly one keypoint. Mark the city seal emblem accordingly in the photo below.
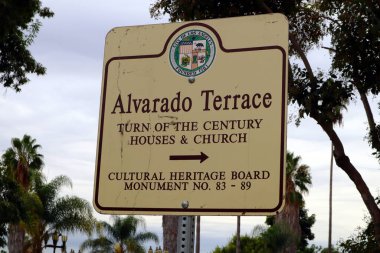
(192, 53)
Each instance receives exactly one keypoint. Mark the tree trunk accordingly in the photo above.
(238, 246)
(290, 216)
(170, 229)
(16, 236)
(37, 245)
(374, 135)
(341, 158)
(345, 164)
(198, 233)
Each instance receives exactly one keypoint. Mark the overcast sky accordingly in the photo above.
(60, 110)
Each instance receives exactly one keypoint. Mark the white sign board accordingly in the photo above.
(193, 118)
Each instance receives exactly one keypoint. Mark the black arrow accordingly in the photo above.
(202, 157)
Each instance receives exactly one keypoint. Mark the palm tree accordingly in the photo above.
(170, 232)
(298, 179)
(12, 204)
(121, 235)
(63, 214)
(22, 162)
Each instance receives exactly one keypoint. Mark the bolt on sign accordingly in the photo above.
(193, 118)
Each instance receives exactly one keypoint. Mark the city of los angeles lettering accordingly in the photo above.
(178, 103)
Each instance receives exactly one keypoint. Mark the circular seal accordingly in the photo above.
(192, 53)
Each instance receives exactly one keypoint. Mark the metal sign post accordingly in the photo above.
(185, 236)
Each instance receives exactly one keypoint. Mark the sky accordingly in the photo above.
(60, 110)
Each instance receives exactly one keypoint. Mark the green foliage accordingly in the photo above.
(298, 173)
(294, 214)
(373, 138)
(10, 204)
(123, 231)
(325, 98)
(18, 165)
(278, 237)
(29, 201)
(16, 205)
(356, 51)
(357, 33)
(19, 25)
(248, 244)
(363, 240)
(326, 250)
(272, 240)
(312, 249)
(56, 213)
(22, 160)
(306, 222)
(9, 201)
(304, 23)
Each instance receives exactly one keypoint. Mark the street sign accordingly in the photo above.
(193, 118)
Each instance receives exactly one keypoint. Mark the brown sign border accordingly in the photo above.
(194, 210)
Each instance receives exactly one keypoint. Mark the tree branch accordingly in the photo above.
(345, 164)
(296, 46)
(329, 48)
(374, 136)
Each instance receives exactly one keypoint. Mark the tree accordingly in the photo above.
(22, 162)
(321, 96)
(298, 180)
(306, 222)
(294, 214)
(63, 214)
(249, 244)
(272, 240)
(279, 238)
(363, 241)
(357, 33)
(19, 25)
(123, 234)
(12, 204)
(361, 70)
(170, 231)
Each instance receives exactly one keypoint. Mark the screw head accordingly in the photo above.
(191, 79)
(185, 204)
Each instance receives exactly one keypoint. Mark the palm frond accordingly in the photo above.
(22, 158)
(298, 173)
(48, 193)
(98, 245)
(72, 214)
(110, 230)
(133, 246)
(123, 230)
(146, 236)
